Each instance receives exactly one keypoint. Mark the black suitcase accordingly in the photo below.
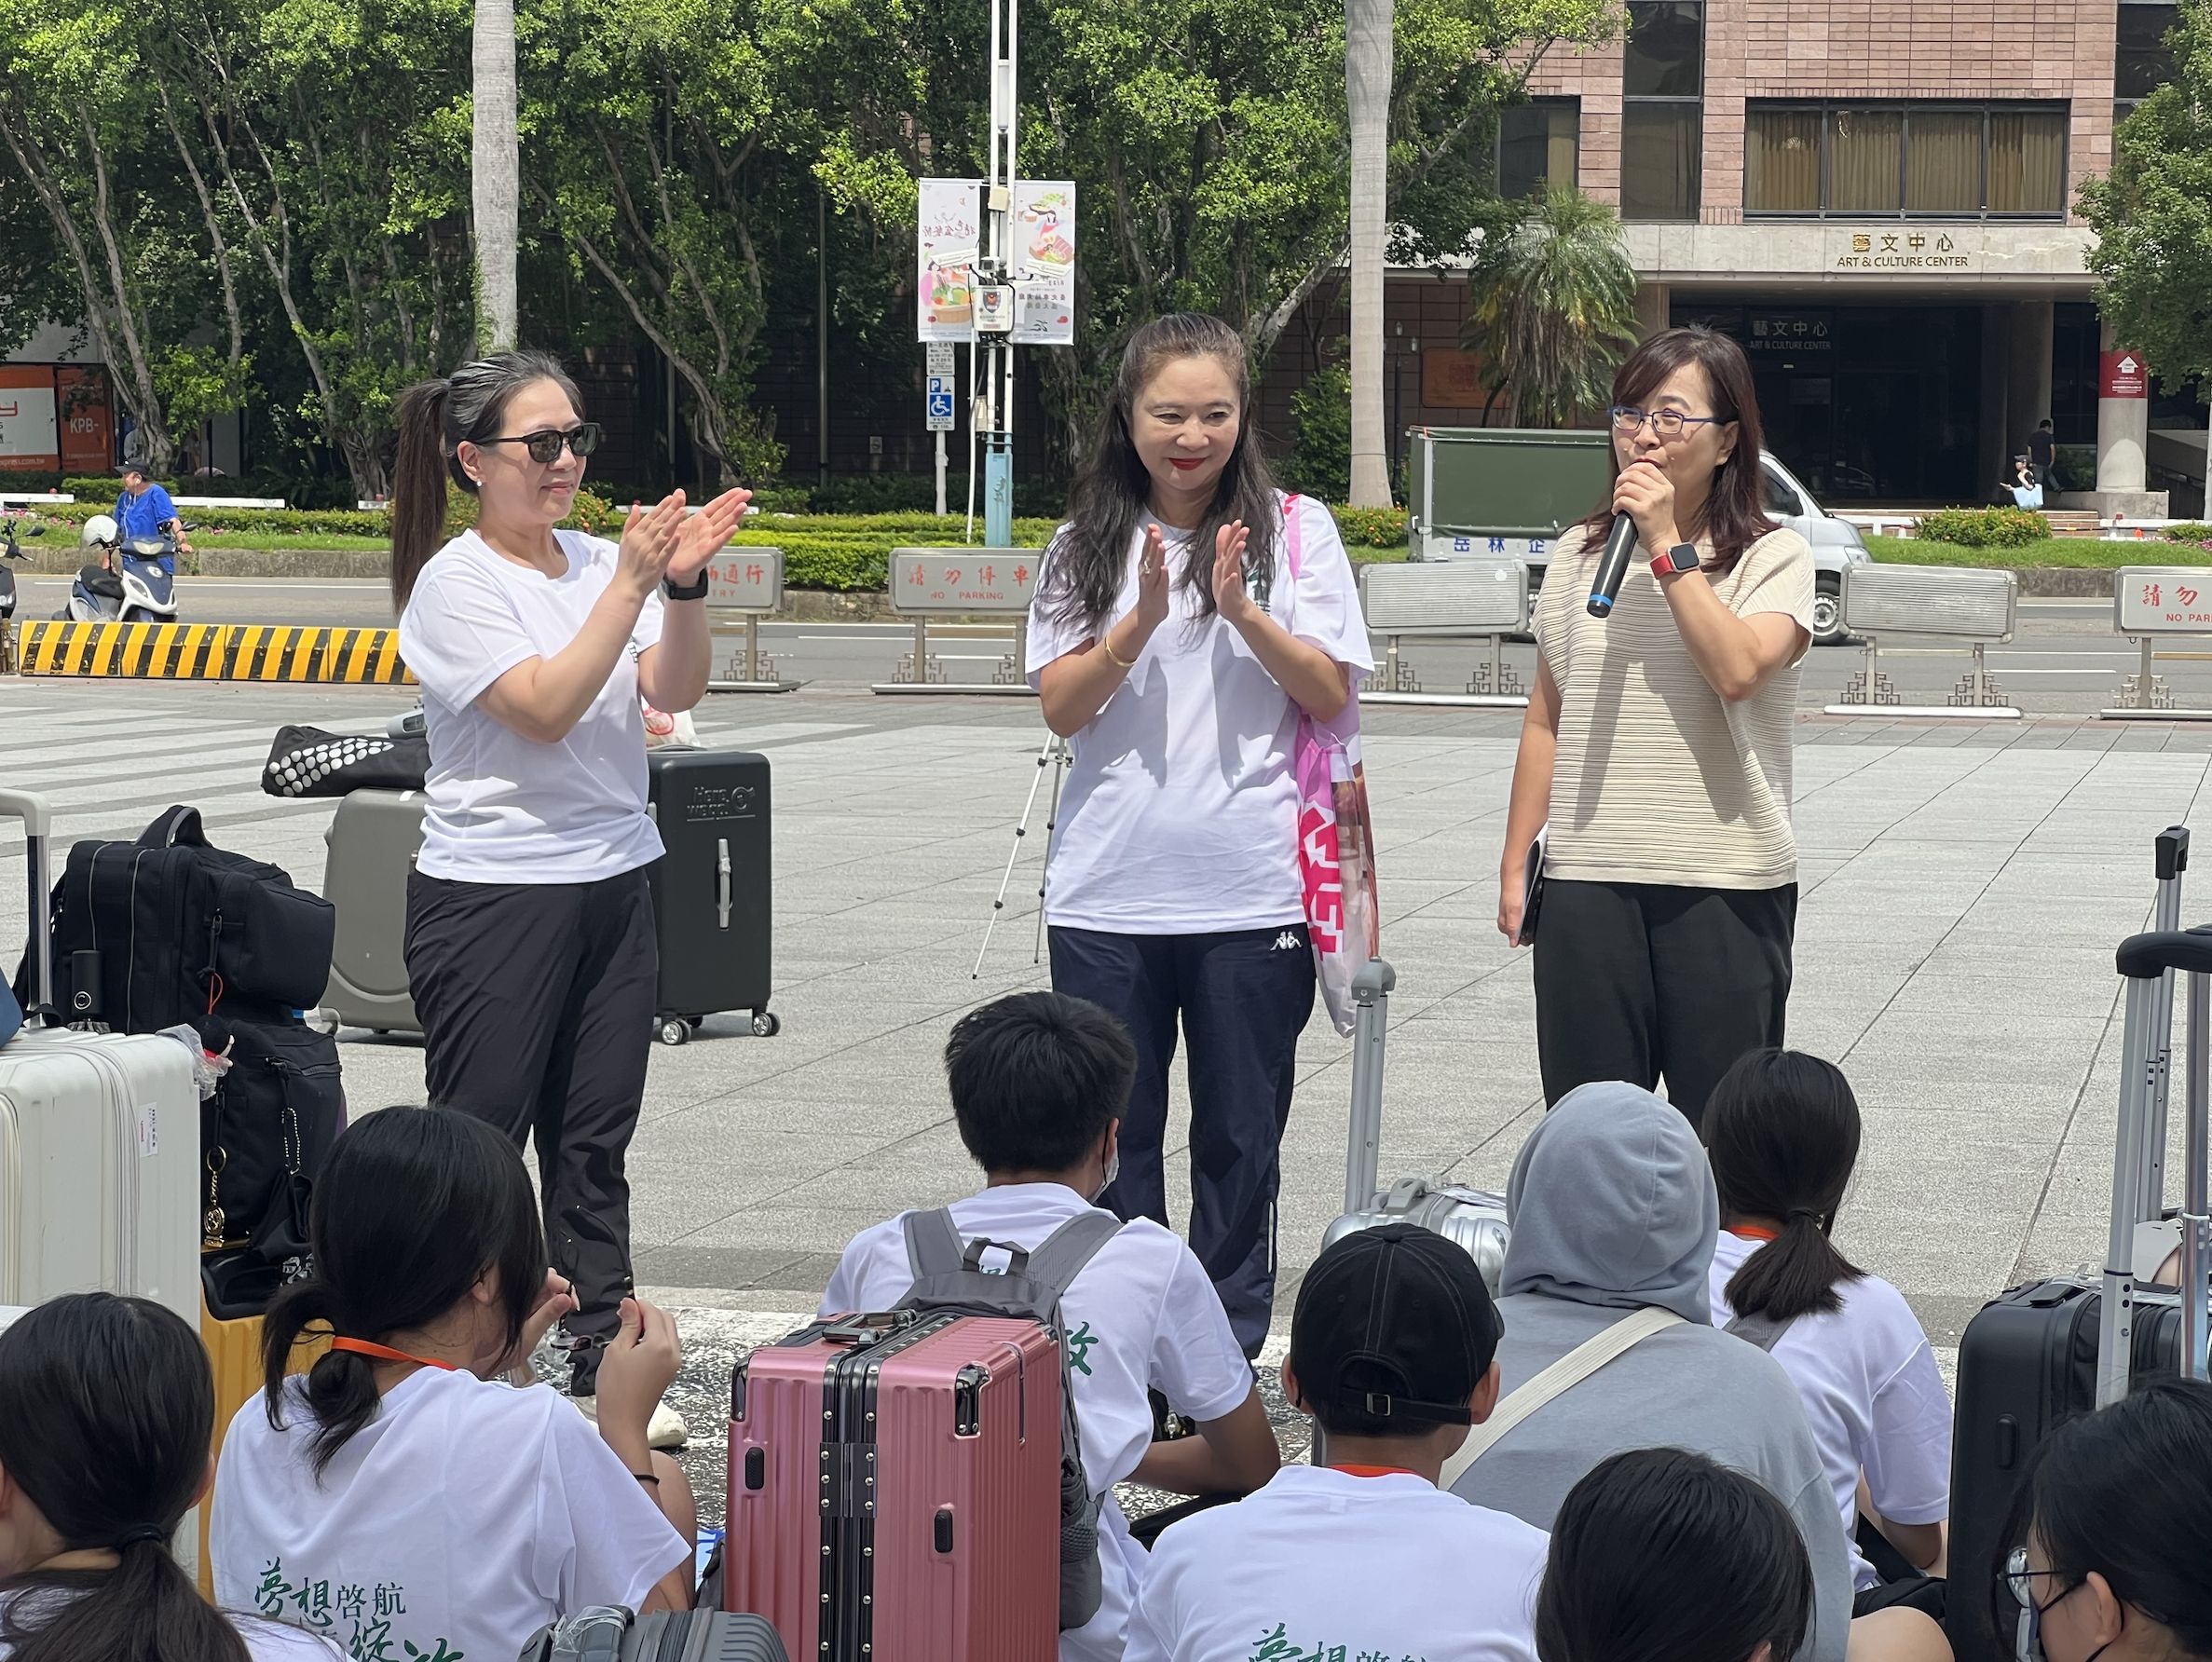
(610, 1634)
(712, 889)
(2057, 1348)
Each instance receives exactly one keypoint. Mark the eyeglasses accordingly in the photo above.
(546, 446)
(2019, 1580)
(1665, 424)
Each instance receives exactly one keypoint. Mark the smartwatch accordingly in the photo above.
(1682, 557)
(695, 590)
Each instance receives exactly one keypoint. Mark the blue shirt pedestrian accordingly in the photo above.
(144, 514)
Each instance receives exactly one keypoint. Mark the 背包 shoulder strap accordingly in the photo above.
(1560, 1377)
(1059, 1258)
(1762, 1330)
(934, 1246)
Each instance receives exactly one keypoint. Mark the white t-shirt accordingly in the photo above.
(503, 808)
(1871, 1392)
(1181, 814)
(1142, 1316)
(265, 1640)
(465, 1516)
(1322, 1563)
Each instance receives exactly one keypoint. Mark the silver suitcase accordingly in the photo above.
(373, 839)
(1473, 1217)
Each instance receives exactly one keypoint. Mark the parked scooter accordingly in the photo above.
(127, 583)
(10, 526)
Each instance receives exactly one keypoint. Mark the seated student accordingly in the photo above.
(1659, 1554)
(1613, 1211)
(106, 1409)
(1038, 1081)
(403, 1495)
(2113, 1562)
(1782, 1131)
(1392, 1352)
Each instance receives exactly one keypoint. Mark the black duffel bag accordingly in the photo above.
(180, 930)
(305, 761)
(263, 1137)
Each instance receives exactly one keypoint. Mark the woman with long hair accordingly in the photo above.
(403, 1463)
(1782, 1129)
(1185, 614)
(530, 945)
(106, 1408)
(1654, 756)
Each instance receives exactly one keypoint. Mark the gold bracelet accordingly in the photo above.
(1106, 646)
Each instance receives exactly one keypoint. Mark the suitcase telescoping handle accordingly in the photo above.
(2170, 860)
(37, 815)
(2147, 961)
(1371, 1019)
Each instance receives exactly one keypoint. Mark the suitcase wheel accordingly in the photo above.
(767, 1024)
(674, 1029)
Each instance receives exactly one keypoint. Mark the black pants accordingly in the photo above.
(536, 1008)
(1643, 981)
(1244, 997)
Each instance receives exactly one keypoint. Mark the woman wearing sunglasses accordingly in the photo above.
(1655, 752)
(2117, 1559)
(530, 946)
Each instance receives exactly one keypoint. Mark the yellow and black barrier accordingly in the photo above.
(213, 652)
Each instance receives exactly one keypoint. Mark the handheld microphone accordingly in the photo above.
(1620, 542)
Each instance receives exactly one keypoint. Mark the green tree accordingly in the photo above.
(1551, 304)
(2152, 215)
(1322, 459)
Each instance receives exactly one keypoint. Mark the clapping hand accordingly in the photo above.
(650, 540)
(1230, 596)
(1152, 581)
(706, 534)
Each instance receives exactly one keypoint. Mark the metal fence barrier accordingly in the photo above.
(745, 585)
(1929, 603)
(1470, 597)
(962, 582)
(2150, 603)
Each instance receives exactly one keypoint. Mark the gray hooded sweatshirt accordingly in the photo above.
(1613, 1207)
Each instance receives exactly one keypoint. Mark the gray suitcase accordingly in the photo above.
(612, 1634)
(373, 838)
(1473, 1217)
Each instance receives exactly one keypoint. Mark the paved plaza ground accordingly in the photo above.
(1964, 887)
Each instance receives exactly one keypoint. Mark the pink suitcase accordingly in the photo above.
(894, 1489)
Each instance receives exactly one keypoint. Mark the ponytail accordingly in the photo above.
(435, 419)
(106, 1409)
(340, 1388)
(1782, 1131)
(419, 486)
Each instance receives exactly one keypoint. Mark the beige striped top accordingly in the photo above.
(1658, 780)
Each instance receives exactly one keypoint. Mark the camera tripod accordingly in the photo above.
(1052, 754)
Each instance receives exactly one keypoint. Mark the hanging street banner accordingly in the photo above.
(1045, 262)
(951, 232)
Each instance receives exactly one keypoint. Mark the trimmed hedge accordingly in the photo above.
(1983, 527)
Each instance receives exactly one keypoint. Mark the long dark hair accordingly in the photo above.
(1782, 1131)
(106, 1409)
(435, 418)
(2121, 1491)
(1089, 559)
(1733, 517)
(1659, 1554)
(412, 1207)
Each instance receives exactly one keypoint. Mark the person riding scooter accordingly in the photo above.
(131, 583)
(145, 512)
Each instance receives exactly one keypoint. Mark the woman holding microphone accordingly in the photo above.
(1171, 643)
(531, 953)
(1656, 751)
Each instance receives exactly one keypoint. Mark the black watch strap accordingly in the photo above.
(695, 590)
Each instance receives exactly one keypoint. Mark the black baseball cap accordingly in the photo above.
(1393, 1331)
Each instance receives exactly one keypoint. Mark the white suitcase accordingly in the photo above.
(99, 1146)
(1473, 1219)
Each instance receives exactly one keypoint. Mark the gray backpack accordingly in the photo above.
(949, 1274)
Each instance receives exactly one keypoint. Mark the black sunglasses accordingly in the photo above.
(546, 446)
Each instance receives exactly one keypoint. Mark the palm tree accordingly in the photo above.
(1368, 44)
(1551, 307)
(495, 187)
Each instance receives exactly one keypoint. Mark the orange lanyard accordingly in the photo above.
(384, 1353)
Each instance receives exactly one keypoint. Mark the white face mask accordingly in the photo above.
(1113, 1171)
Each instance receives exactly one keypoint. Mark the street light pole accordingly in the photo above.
(996, 266)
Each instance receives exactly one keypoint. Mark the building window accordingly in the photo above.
(1662, 109)
(1935, 161)
(1538, 146)
(2144, 61)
